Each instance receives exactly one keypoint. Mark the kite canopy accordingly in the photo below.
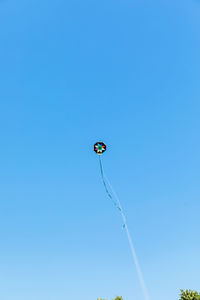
(99, 148)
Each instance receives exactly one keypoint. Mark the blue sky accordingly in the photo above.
(74, 72)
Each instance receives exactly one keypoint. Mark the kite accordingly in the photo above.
(100, 148)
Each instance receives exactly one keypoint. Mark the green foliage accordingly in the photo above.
(117, 298)
(189, 295)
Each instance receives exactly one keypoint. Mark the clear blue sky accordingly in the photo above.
(74, 72)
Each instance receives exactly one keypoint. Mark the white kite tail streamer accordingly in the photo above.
(133, 252)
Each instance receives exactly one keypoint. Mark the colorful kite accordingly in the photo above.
(99, 148)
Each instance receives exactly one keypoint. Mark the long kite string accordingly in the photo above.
(105, 186)
(118, 204)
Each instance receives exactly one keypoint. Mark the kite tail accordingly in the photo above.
(105, 186)
(118, 205)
